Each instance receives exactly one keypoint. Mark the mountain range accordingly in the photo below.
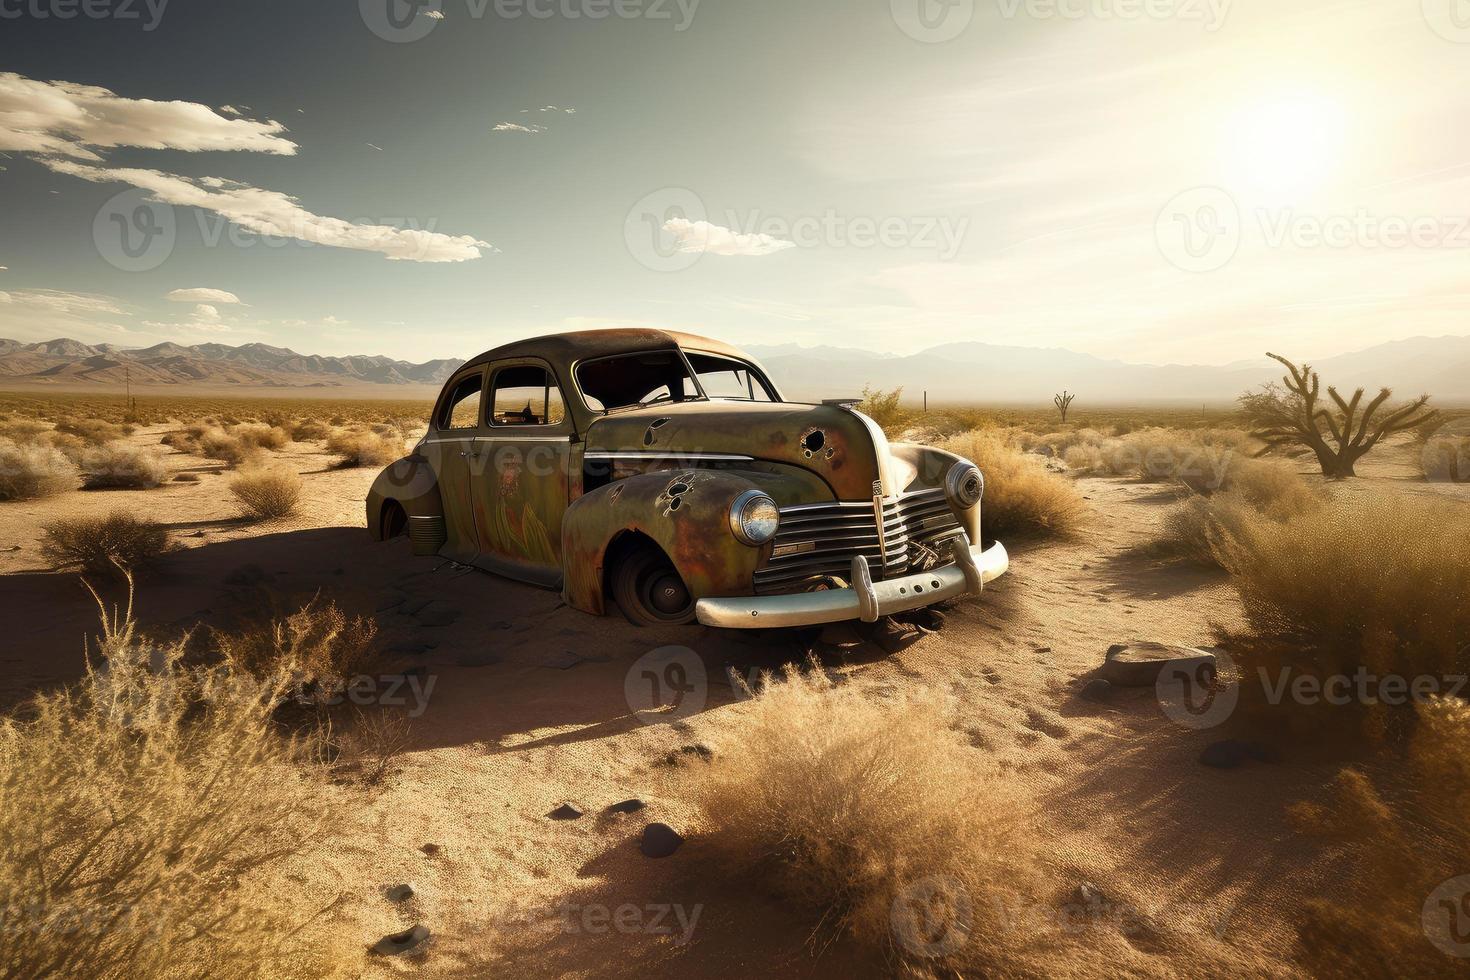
(967, 372)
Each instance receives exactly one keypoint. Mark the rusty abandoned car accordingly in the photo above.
(666, 472)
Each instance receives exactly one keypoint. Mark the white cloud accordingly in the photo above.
(701, 236)
(275, 214)
(206, 314)
(203, 295)
(73, 120)
(510, 127)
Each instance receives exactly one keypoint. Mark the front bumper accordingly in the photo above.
(864, 599)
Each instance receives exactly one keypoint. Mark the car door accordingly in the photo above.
(450, 446)
(523, 477)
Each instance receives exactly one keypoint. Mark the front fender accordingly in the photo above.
(684, 512)
(924, 468)
(412, 484)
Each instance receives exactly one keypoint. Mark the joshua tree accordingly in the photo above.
(1064, 402)
(1294, 418)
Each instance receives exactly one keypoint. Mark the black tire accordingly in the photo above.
(649, 591)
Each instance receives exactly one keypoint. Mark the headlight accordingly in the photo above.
(964, 486)
(753, 517)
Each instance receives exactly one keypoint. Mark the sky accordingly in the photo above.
(1161, 181)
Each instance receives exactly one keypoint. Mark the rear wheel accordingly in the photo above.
(649, 591)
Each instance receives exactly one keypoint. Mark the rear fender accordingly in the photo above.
(685, 512)
(410, 483)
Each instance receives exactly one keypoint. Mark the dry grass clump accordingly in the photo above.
(366, 447)
(1254, 492)
(318, 644)
(261, 436)
(145, 819)
(375, 740)
(216, 443)
(1021, 496)
(95, 432)
(1371, 582)
(31, 471)
(104, 544)
(268, 492)
(309, 430)
(855, 806)
(1199, 458)
(1401, 834)
(24, 431)
(117, 466)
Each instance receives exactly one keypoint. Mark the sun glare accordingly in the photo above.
(1289, 145)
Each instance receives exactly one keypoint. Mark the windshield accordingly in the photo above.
(631, 380)
(727, 378)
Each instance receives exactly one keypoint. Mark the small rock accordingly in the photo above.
(565, 812)
(1043, 649)
(1138, 664)
(659, 840)
(432, 850)
(400, 893)
(1088, 894)
(1096, 690)
(627, 806)
(398, 943)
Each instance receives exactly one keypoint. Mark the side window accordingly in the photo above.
(526, 395)
(461, 410)
(724, 378)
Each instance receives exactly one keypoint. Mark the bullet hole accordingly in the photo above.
(648, 432)
(812, 443)
(676, 489)
(831, 451)
(675, 503)
(615, 493)
(675, 493)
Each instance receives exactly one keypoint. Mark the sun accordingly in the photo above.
(1288, 145)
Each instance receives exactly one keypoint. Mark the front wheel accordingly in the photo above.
(649, 591)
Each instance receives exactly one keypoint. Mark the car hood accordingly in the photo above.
(845, 448)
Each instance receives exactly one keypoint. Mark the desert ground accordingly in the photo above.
(1147, 862)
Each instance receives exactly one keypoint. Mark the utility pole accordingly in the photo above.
(926, 401)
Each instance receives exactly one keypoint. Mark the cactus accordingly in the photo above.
(1063, 402)
(1294, 419)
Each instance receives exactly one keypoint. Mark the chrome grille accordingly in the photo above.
(832, 533)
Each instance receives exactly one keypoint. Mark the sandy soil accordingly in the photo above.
(529, 709)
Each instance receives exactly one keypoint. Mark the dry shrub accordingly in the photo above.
(1021, 496)
(309, 430)
(364, 447)
(1401, 833)
(318, 644)
(1253, 492)
(1200, 458)
(268, 492)
(28, 472)
(852, 804)
(96, 432)
(377, 738)
(216, 443)
(884, 408)
(261, 436)
(114, 466)
(1372, 582)
(145, 820)
(104, 545)
(24, 431)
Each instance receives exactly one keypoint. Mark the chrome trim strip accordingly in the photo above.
(644, 455)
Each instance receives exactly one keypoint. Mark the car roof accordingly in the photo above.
(566, 348)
